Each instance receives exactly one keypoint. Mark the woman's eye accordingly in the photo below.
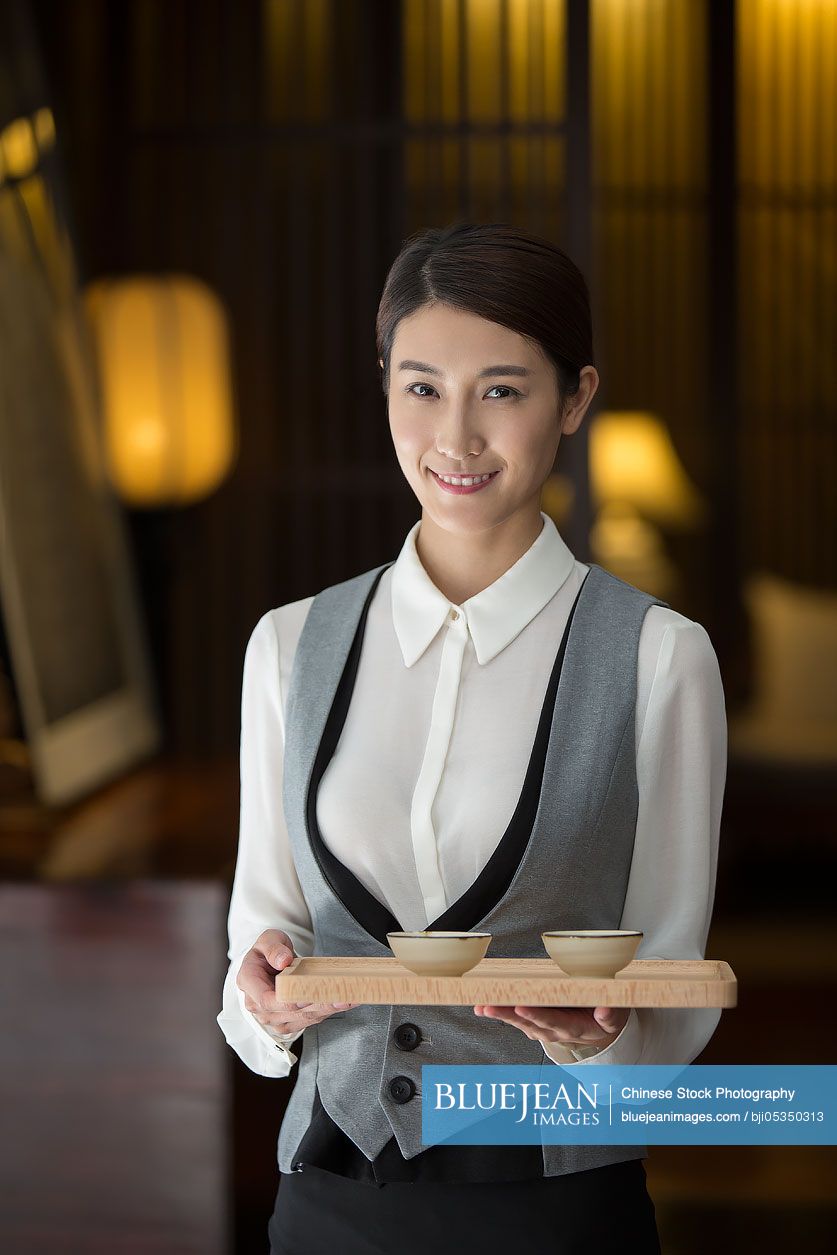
(497, 387)
(502, 388)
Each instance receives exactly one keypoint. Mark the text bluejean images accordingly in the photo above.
(711, 1104)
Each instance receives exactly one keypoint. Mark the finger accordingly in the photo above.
(317, 1008)
(550, 1023)
(560, 1023)
(508, 1014)
(258, 970)
(579, 1025)
(256, 974)
(289, 1021)
(317, 1011)
(281, 1023)
(610, 1018)
(270, 1004)
(314, 1007)
(277, 948)
(560, 1016)
(252, 976)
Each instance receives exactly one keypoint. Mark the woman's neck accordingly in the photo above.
(462, 564)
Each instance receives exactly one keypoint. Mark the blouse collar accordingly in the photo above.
(493, 616)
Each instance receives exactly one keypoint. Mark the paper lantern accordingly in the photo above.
(162, 344)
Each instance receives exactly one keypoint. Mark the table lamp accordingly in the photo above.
(638, 486)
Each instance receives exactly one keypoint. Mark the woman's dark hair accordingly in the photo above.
(503, 274)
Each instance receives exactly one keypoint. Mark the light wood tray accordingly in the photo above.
(510, 982)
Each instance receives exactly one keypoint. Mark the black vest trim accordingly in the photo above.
(371, 914)
(324, 1144)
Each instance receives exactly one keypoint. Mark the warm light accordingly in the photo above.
(557, 497)
(633, 462)
(20, 151)
(44, 124)
(164, 358)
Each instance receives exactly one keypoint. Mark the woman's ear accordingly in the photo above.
(574, 413)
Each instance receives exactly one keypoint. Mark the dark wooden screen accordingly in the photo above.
(283, 149)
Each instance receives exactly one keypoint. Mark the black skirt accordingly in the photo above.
(320, 1213)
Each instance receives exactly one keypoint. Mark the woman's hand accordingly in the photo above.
(569, 1026)
(272, 952)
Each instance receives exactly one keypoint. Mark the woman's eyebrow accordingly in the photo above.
(408, 364)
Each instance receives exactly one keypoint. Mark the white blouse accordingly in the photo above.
(430, 765)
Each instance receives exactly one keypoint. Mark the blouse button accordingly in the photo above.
(454, 614)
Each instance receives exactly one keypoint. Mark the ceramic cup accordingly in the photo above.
(440, 953)
(591, 951)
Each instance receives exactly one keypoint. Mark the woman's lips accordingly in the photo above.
(461, 489)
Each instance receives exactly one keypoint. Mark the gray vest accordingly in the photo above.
(572, 873)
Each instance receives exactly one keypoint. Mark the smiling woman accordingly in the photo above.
(469, 738)
(452, 307)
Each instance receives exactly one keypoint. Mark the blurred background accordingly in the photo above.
(199, 202)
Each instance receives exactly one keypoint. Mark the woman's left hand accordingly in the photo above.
(569, 1026)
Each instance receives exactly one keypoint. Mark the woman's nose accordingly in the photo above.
(457, 443)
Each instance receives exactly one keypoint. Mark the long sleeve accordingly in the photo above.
(266, 892)
(681, 775)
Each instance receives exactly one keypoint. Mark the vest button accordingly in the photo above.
(401, 1089)
(407, 1036)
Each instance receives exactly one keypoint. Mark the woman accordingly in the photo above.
(484, 734)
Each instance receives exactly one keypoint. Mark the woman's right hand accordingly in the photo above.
(272, 951)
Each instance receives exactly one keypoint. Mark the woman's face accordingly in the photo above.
(468, 397)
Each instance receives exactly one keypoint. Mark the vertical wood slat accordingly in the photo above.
(572, 454)
(787, 58)
(722, 411)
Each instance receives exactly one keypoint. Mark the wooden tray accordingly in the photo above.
(510, 982)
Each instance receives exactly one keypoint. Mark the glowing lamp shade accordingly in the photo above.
(634, 463)
(163, 350)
